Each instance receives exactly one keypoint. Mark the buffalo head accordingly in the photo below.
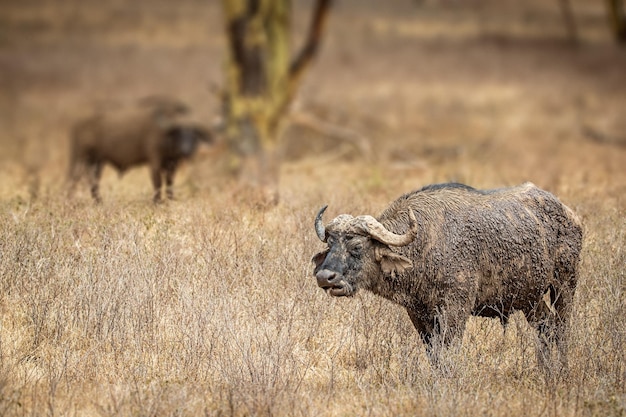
(359, 249)
(180, 141)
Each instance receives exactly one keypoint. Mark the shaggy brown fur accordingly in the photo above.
(151, 134)
(484, 253)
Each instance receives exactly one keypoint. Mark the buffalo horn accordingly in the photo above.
(378, 232)
(319, 227)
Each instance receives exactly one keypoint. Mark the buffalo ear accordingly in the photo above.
(390, 262)
(319, 258)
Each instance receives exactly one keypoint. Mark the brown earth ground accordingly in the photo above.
(207, 304)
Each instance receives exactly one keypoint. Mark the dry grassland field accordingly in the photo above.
(207, 305)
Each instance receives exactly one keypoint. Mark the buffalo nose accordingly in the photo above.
(324, 278)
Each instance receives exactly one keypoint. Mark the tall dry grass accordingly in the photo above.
(209, 307)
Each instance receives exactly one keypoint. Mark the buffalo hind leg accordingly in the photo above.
(550, 319)
(75, 173)
(155, 175)
(562, 299)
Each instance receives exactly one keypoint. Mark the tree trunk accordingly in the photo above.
(617, 19)
(260, 85)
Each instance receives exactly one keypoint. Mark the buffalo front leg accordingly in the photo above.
(95, 172)
(426, 326)
(170, 170)
(440, 331)
(421, 323)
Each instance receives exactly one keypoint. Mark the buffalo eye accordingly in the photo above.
(354, 246)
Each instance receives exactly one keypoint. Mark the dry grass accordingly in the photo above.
(207, 306)
(204, 306)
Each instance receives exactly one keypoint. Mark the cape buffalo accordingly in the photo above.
(448, 251)
(151, 134)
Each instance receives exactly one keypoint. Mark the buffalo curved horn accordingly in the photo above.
(380, 233)
(319, 226)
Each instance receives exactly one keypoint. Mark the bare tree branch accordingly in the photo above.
(570, 22)
(336, 132)
(617, 19)
(310, 47)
